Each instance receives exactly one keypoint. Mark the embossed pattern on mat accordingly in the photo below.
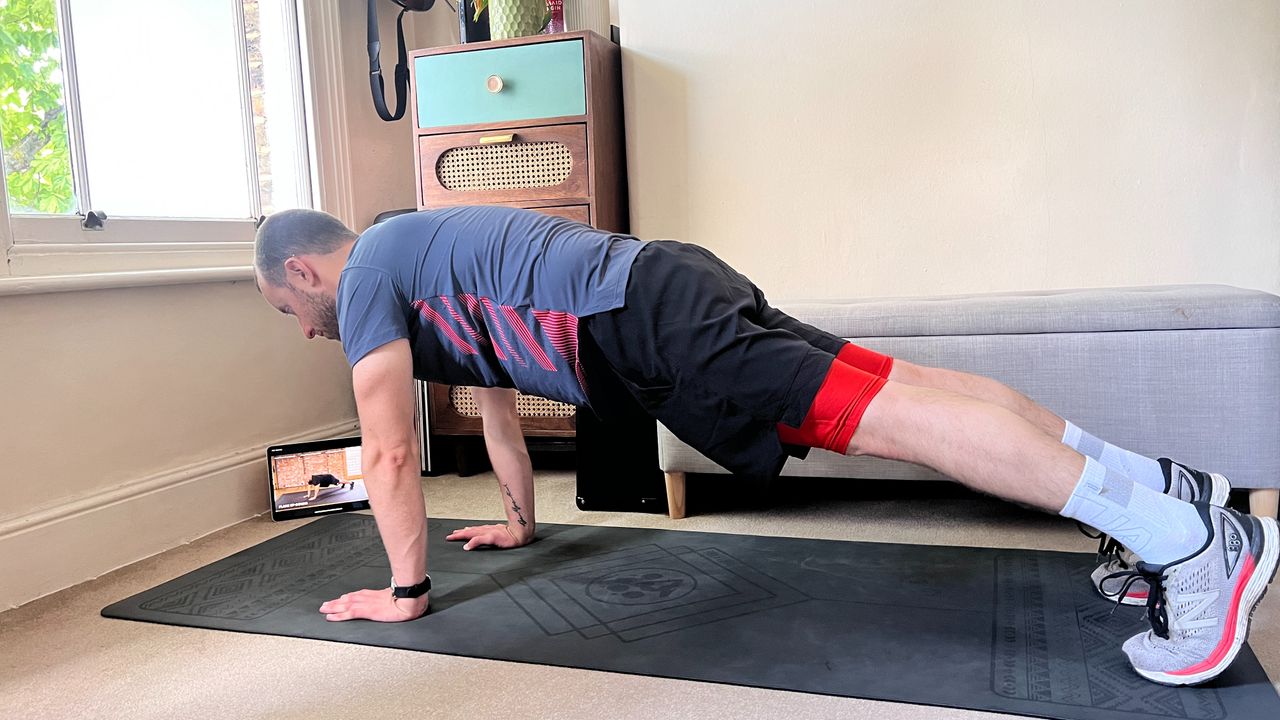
(1014, 631)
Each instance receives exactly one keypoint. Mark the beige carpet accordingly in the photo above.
(60, 659)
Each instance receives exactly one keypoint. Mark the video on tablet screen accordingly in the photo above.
(321, 477)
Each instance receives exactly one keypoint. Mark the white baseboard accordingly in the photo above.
(55, 548)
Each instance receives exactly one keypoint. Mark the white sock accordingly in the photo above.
(1159, 529)
(1130, 464)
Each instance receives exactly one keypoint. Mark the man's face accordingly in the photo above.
(317, 314)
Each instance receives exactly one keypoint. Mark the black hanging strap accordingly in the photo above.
(375, 66)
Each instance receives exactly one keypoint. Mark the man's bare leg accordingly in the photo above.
(982, 445)
(991, 449)
(981, 388)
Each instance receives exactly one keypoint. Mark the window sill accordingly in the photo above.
(39, 259)
(39, 284)
(53, 254)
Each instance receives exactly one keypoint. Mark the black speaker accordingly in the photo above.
(618, 463)
(617, 444)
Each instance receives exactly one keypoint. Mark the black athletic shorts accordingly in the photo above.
(700, 349)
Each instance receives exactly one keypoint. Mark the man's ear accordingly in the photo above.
(301, 271)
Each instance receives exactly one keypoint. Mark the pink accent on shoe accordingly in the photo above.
(1224, 645)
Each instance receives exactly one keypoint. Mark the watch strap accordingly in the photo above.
(411, 591)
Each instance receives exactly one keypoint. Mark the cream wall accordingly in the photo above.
(133, 420)
(840, 149)
(103, 388)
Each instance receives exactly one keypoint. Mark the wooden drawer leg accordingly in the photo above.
(1263, 502)
(675, 494)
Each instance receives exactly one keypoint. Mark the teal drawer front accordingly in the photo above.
(538, 81)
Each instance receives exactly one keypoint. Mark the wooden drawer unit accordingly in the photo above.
(529, 122)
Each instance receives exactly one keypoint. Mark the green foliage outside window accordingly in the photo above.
(37, 159)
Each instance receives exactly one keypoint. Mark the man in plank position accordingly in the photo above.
(503, 299)
(325, 481)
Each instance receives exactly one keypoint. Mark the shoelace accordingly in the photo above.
(1157, 612)
(1108, 547)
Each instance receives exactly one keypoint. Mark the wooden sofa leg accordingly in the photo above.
(675, 494)
(1263, 502)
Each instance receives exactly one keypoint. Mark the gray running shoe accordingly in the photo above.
(1200, 606)
(1181, 482)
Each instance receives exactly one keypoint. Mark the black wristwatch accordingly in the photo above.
(412, 591)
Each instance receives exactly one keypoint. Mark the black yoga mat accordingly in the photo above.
(1013, 631)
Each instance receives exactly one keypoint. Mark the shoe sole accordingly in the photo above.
(1221, 490)
(1254, 591)
(1219, 495)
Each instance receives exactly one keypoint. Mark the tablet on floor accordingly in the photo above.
(316, 478)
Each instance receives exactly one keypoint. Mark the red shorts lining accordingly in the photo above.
(866, 360)
(837, 409)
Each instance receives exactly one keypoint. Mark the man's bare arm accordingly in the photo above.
(510, 458)
(383, 384)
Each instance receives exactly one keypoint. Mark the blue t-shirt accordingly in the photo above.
(487, 296)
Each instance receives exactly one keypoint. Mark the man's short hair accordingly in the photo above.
(296, 232)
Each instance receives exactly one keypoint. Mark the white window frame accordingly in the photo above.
(6, 233)
(54, 253)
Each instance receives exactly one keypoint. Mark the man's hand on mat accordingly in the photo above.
(376, 605)
(498, 536)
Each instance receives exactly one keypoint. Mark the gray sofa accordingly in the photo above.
(1190, 372)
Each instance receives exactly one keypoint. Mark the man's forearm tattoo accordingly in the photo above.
(514, 505)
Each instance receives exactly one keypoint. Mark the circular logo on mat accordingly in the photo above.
(641, 587)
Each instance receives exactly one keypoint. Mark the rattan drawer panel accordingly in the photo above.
(474, 168)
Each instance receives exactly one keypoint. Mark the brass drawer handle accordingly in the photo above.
(494, 83)
(497, 139)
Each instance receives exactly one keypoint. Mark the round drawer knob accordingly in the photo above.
(494, 83)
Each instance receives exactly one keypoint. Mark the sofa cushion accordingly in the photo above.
(1170, 307)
